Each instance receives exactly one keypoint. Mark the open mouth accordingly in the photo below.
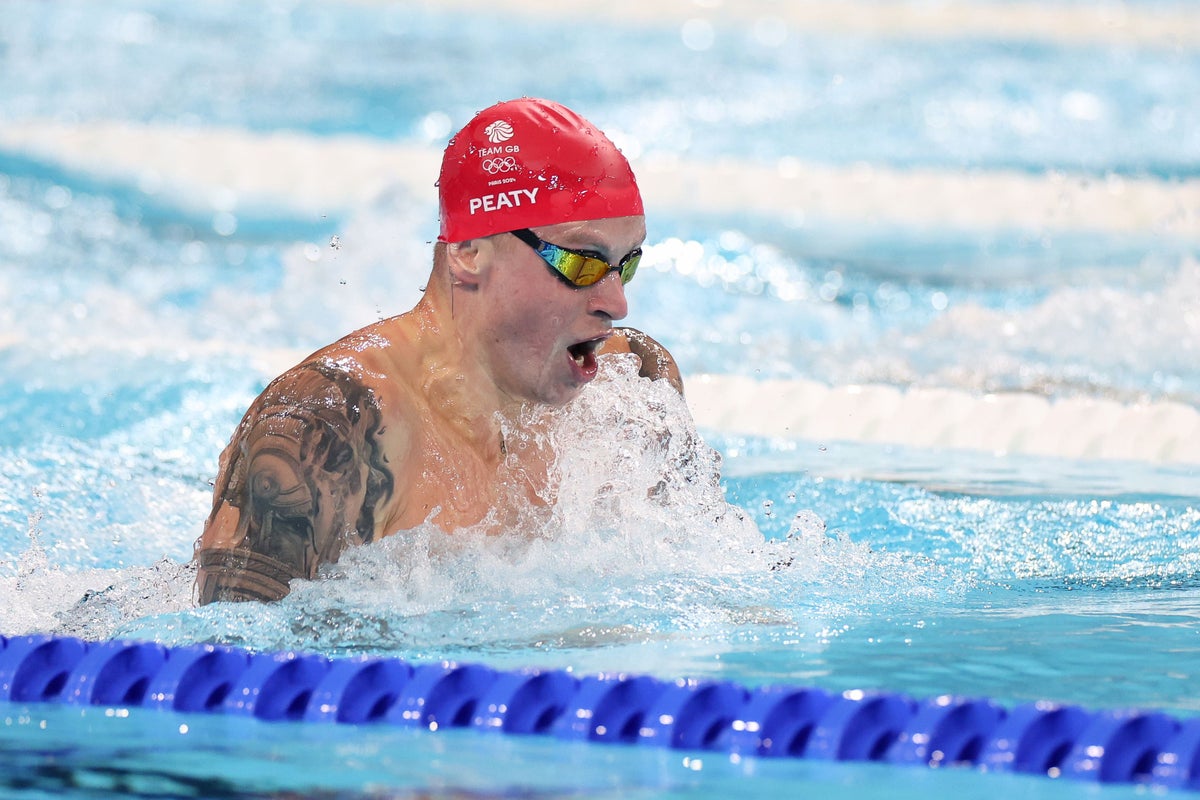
(584, 354)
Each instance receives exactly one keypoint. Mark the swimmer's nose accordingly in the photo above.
(607, 297)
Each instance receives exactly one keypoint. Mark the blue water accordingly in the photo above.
(758, 93)
(130, 325)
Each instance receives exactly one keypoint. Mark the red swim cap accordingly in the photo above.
(529, 162)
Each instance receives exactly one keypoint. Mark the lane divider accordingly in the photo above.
(1141, 747)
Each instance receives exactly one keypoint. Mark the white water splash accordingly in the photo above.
(640, 549)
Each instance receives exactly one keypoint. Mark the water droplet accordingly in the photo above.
(807, 526)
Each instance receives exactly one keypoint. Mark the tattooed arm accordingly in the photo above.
(303, 477)
(656, 361)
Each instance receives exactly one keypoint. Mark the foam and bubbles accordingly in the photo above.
(648, 560)
(640, 556)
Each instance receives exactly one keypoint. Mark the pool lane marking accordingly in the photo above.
(999, 423)
(224, 169)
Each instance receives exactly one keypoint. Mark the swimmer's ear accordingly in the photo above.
(468, 261)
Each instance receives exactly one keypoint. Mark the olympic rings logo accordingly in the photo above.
(493, 165)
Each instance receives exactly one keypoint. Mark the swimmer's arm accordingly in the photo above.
(302, 478)
(657, 362)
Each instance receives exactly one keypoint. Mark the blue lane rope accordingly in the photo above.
(776, 721)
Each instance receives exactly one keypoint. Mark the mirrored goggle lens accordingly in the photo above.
(584, 270)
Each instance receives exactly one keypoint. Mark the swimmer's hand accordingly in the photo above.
(657, 362)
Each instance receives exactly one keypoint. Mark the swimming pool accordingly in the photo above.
(918, 242)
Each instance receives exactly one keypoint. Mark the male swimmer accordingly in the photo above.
(403, 421)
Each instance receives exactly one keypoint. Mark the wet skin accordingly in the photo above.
(400, 422)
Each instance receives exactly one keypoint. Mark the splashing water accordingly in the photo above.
(639, 552)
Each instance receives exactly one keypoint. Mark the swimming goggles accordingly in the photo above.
(576, 268)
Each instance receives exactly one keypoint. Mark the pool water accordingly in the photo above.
(1013, 215)
(56, 751)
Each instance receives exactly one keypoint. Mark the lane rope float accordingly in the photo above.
(1042, 738)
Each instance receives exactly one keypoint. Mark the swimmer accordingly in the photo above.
(404, 421)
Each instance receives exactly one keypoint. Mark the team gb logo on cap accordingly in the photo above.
(498, 131)
(497, 160)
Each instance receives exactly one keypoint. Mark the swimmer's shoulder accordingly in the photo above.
(349, 388)
(317, 463)
(656, 361)
(372, 349)
(379, 358)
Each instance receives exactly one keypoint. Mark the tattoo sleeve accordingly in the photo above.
(302, 478)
